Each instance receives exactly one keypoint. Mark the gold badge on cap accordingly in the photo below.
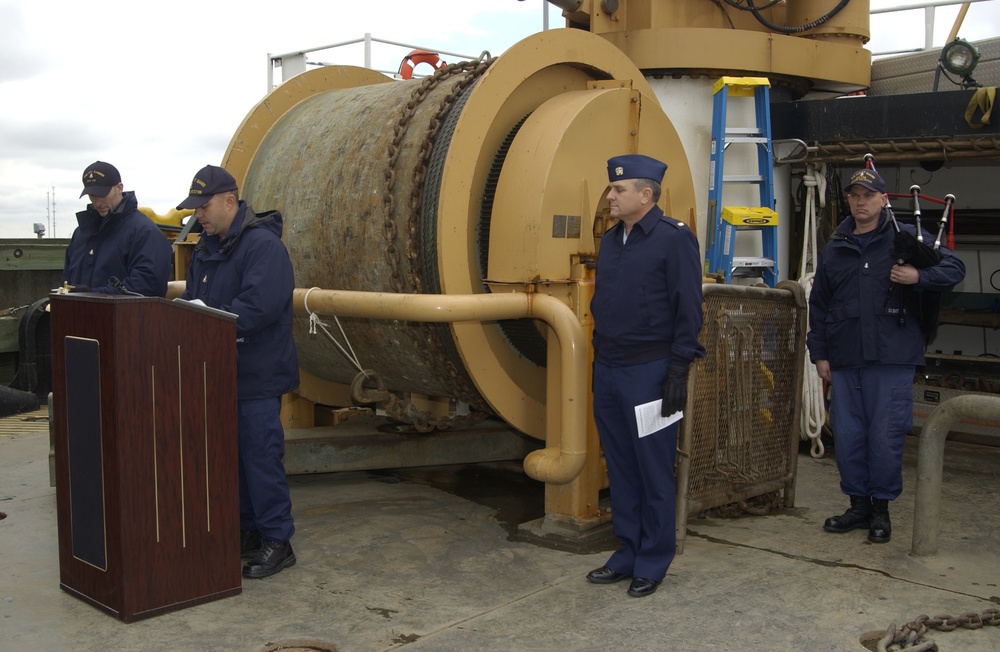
(619, 171)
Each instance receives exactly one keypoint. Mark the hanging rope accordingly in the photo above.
(813, 413)
(314, 322)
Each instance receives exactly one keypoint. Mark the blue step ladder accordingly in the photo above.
(725, 222)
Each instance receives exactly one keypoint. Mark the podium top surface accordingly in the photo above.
(180, 304)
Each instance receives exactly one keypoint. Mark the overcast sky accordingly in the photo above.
(158, 89)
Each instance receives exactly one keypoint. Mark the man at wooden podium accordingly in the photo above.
(240, 265)
(115, 249)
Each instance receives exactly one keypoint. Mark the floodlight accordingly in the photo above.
(960, 57)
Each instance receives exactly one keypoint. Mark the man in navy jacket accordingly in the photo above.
(240, 265)
(115, 248)
(865, 338)
(647, 315)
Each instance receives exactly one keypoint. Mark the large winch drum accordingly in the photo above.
(487, 176)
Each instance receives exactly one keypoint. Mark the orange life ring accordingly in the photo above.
(417, 57)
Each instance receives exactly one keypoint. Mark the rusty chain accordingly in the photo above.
(389, 228)
(13, 310)
(756, 505)
(394, 407)
(444, 367)
(954, 379)
(912, 636)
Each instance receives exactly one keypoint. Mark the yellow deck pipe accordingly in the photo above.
(562, 458)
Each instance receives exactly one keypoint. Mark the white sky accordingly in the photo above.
(158, 89)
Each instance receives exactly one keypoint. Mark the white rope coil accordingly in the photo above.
(813, 414)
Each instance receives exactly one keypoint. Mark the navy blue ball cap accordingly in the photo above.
(867, 179)
(210, 180)
(635, 166)
(99, 178)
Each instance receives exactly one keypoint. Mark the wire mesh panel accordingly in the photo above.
(740, 435)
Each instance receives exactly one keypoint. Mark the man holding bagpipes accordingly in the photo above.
(870, 309)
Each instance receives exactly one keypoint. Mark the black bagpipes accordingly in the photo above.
(912, 250)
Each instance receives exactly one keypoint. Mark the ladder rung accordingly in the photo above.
(760, 140)
(752, 261)
(743, 178)
(744, 131)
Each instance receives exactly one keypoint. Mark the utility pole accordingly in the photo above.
(53, 211)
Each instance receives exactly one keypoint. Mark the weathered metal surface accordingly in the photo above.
(29, 269)
(37, 254)
(923, 126)
(366, 443)
(914, 73)
(323, 166)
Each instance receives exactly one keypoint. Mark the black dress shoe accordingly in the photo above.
(641, 587)
(605, 575)
(249, 543)
(272, 557)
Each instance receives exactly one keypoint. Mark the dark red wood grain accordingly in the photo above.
(168, 449)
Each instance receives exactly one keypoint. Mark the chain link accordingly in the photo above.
(912, 636)
(757, 505)
(444, 367)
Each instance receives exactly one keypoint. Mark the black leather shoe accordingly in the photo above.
(641, 587)
(605, 575)
(272, 557)
(249, 543)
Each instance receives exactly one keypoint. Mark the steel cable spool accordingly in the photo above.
(447, 188)
(323, 165)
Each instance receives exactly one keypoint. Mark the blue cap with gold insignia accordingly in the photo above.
(635, 166)
(865, 178)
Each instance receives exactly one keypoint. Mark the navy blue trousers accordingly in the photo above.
(265, 504)
(870, 413)
(640, 470)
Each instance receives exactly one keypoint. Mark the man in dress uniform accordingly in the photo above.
(647, 313)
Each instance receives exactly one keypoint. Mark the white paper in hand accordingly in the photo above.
(648, 419)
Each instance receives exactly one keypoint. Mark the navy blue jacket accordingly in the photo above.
(125, 245)
(647, 301)
(850, 323)
(250, 274)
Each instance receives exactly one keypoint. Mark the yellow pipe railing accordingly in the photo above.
(562, 458)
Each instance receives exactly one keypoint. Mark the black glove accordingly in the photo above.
(675, 388)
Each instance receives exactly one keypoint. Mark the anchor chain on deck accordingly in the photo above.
(911, 636)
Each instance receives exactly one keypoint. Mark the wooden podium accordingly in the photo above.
(144, 395)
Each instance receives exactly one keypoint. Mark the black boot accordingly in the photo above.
(880, 529)
(857, 516)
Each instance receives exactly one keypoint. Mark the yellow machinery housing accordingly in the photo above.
(506, 194)
(488, 179)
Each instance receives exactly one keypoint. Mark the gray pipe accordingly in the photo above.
(567, 5)
(930, 464)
